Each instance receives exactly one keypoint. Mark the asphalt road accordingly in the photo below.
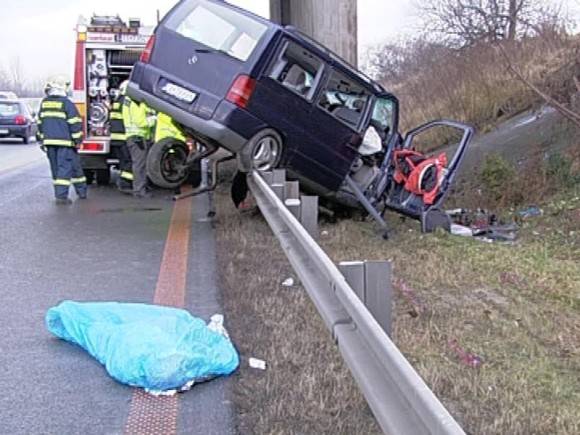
(108, 248)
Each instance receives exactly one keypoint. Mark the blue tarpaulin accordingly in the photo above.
(154, 347)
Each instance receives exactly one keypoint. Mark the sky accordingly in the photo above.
(40, 33)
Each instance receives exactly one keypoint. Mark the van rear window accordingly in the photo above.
(218, 27)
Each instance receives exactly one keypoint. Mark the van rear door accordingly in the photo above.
(200, 47)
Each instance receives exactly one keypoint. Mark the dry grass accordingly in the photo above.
(516, 307)
(306, 388)
(475, 85)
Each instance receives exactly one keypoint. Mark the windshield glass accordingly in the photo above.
(384, 114)
(9, 109)
(218, 27)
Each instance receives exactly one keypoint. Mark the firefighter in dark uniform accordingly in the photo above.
(60, 131)
(119, 140)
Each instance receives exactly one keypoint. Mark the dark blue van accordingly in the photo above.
(272, 97)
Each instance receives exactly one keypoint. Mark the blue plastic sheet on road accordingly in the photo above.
(153, 347)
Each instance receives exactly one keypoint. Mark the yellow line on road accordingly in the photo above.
(150, 415)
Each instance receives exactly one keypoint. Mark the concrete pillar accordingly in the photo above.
(331, 22)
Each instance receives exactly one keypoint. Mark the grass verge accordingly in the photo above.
(515, 307)
(306, 388)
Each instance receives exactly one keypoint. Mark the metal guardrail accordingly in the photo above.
(400, 400)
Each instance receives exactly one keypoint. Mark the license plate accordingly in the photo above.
(3, 131)
(179, 93)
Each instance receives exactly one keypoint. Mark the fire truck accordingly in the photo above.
(106, 50)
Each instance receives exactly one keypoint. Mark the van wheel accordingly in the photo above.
(165, 162)
(263, 152)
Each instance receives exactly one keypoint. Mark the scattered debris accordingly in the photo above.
(530, 212)
(324, 233)
(256, 363)
(482, 225)
(461, 230)
(288, 282)
(470, 359)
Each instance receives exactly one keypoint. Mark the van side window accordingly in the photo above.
(344, 99)
(297, 69)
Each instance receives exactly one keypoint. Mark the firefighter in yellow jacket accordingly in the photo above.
(139, 122)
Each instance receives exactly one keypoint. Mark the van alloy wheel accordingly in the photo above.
(266, 153)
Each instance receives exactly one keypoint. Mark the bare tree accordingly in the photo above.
(462, 23)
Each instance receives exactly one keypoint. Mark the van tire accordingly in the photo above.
(263, 152)
(160, 160)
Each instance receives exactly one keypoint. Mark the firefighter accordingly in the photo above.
(166, 128)
(139, 121)
(119, 140)
(60, 131)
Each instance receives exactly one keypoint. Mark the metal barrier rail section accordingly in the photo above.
(399, 398)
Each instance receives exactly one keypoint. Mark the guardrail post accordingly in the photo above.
(378, 292)
(354, 273)
(268, 177)
(280, 190)
(309, 214)
(371, 281)
(292, 190)
(279, 176)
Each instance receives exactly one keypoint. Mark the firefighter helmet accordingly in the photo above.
(57, 83)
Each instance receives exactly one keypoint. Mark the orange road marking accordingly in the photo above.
(150, 415)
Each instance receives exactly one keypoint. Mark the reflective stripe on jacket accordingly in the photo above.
(138, 119)
(117, 127)
(166, 128)
(59, 122)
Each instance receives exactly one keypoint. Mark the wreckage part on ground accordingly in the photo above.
(153, 347)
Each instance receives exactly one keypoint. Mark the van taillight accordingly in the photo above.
(20, 120)
(92, 146)
(241, 91)
(146, 54)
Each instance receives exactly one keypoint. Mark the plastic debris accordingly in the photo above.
(530, 212)
(482, 225)
(288, 282)
(216, 324)
(160, 349)
(256, 363)
(461, 230)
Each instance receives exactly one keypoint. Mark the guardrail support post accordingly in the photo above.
(268, 177)
(294, 206)
(279, 190)
(371, 281)
(279, 176)
(378, 291)
(292, 190)
(309, 214)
